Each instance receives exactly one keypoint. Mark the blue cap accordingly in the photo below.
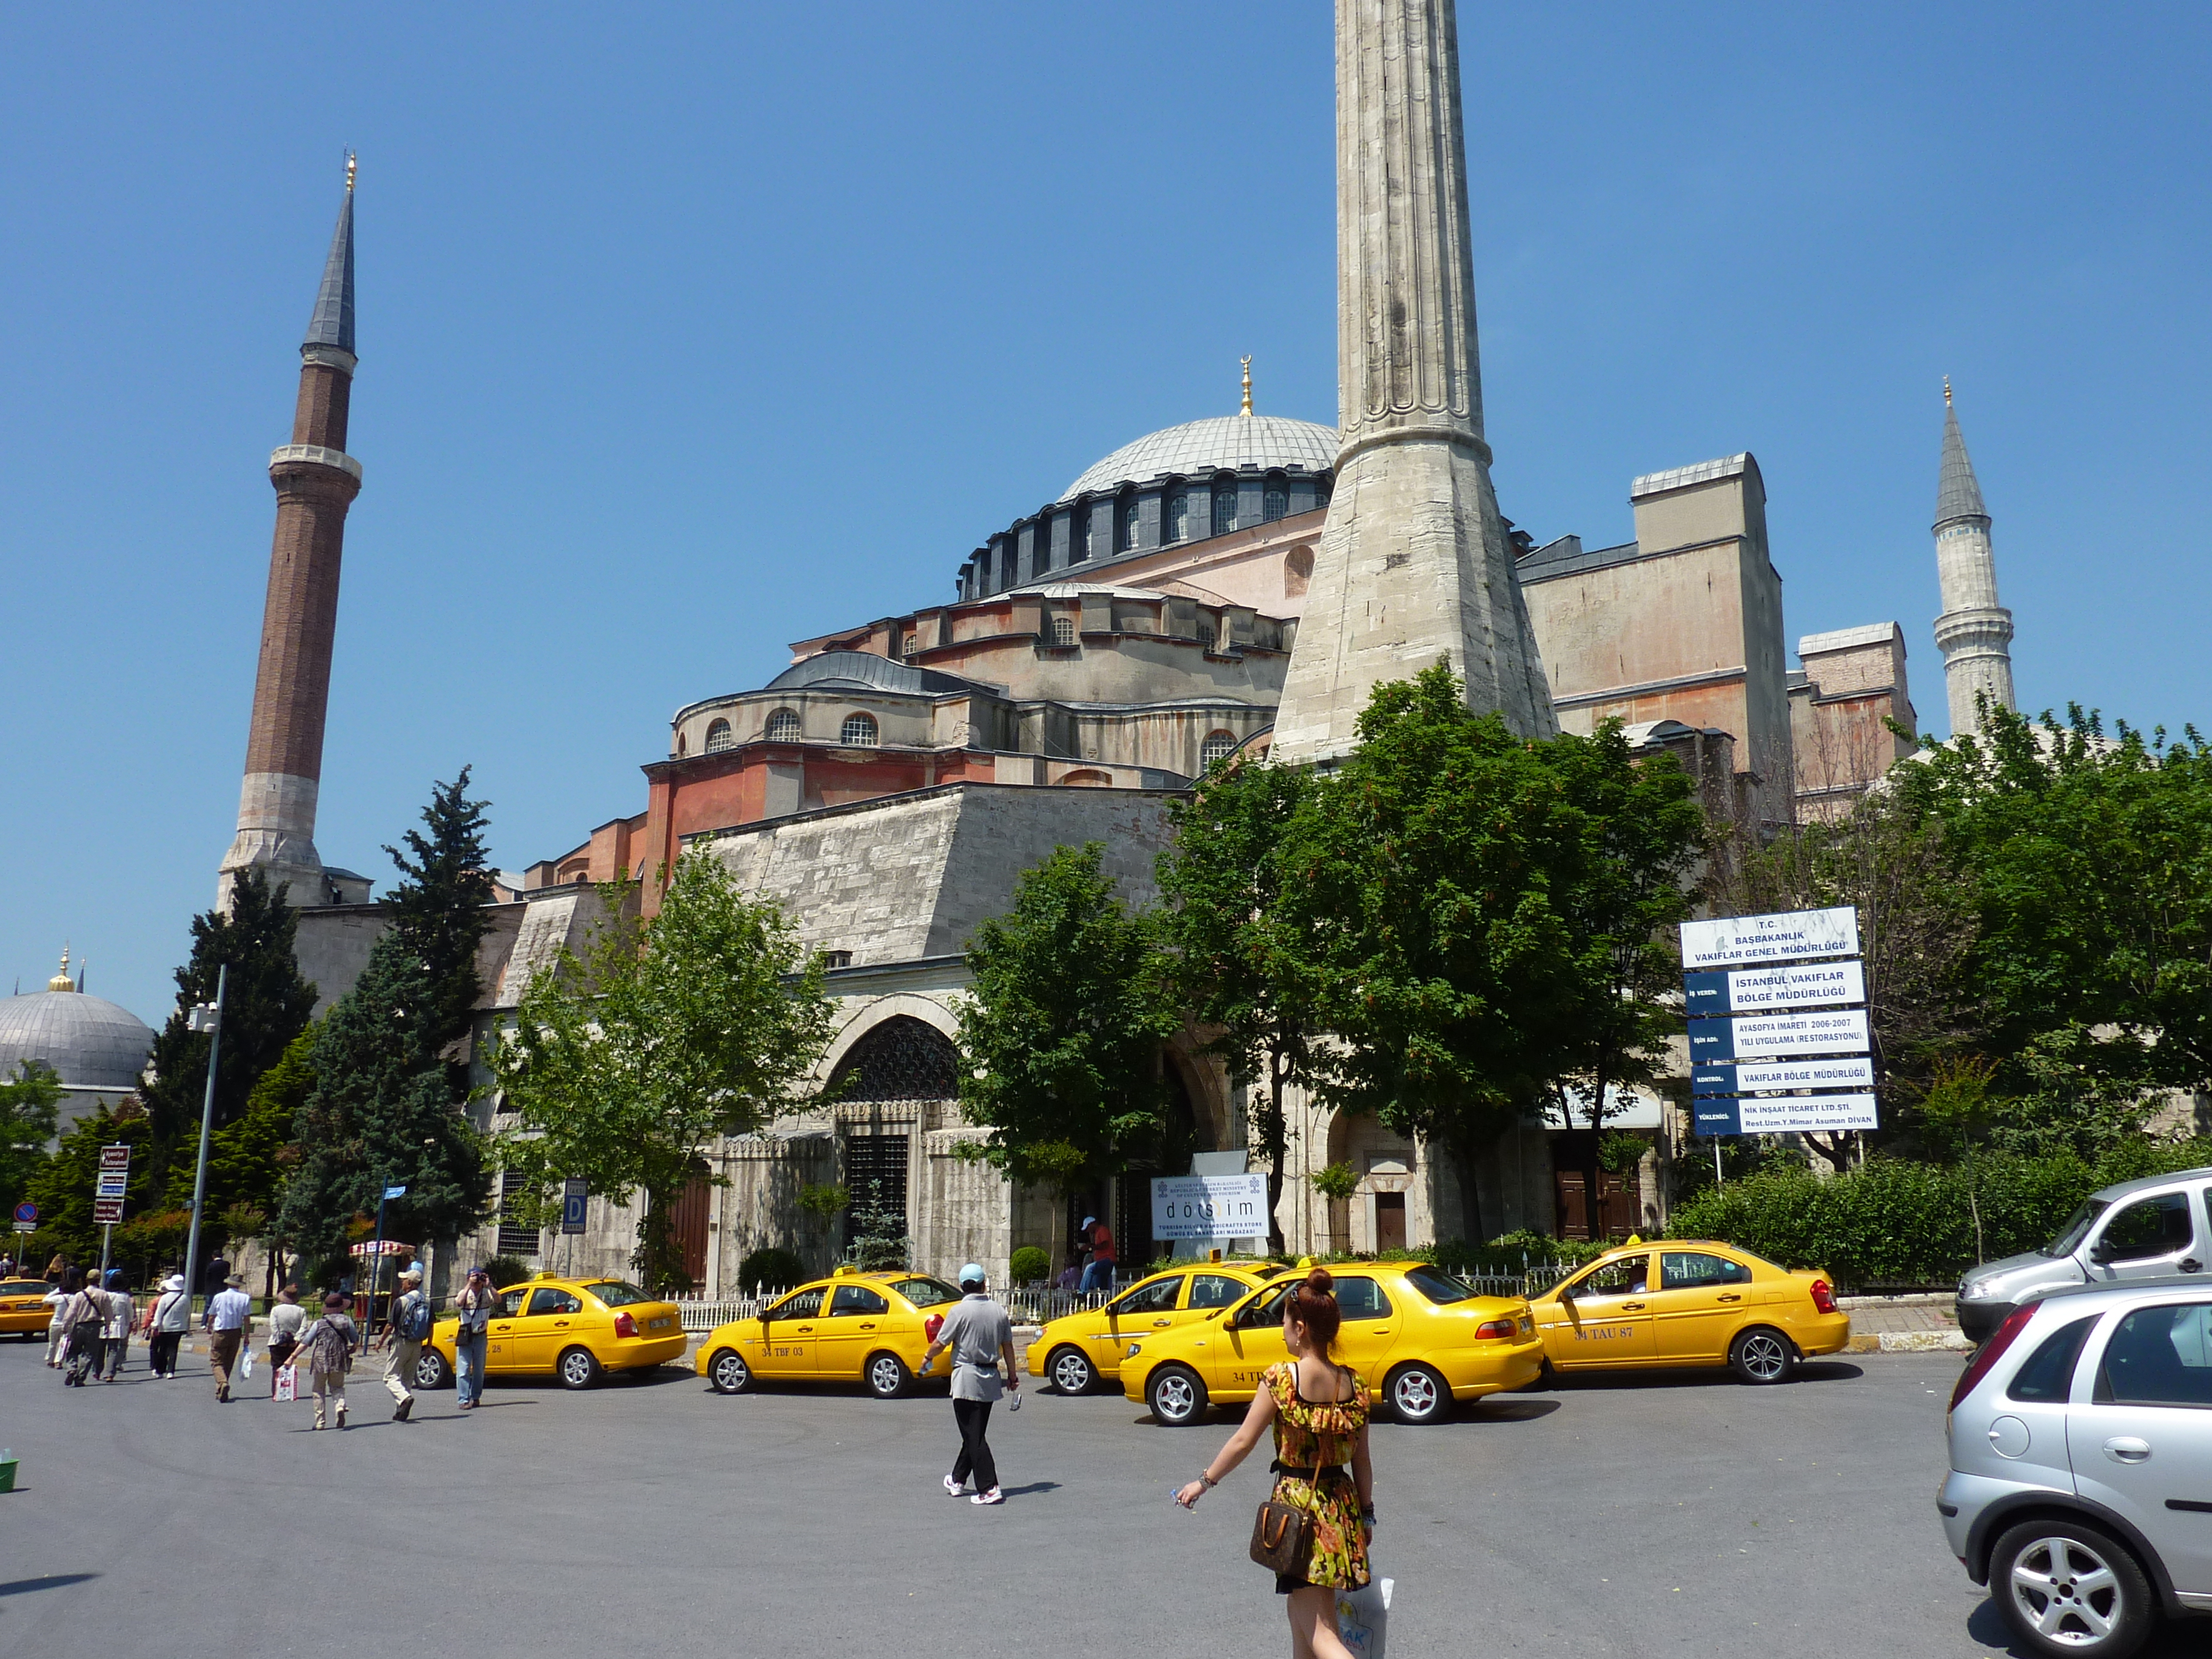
(971, 1274)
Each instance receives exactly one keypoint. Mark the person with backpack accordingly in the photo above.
(329, 1344)
(403, 1341)
(169, 1316)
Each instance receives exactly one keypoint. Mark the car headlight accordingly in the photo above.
(1132, 1354)
(1975, 1290)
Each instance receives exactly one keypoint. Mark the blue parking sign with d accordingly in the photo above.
(574, 1196)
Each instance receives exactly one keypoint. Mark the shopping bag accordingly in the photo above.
(245, 1366)
(1360, 1616)
(287, 1383)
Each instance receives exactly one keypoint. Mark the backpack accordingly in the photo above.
(414, 1319)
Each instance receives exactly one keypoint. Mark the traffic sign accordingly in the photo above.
(115, 1158)
(395, 1192)
(26, 1213)
(27, 1226)
(573, 1194)
(106, 1212)
(112, 1183)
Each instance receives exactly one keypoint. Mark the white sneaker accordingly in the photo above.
(994, 1496)
(951, 1487)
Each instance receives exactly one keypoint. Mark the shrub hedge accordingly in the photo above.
(1896, 1223)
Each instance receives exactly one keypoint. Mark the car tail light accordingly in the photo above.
(1824, 1299)
(1988, 1353)
(1502, 1329)
(624, 1325)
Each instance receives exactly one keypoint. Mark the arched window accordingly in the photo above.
(718, 736)
(859, 732)
(909, 644)
(1274, 501)
(1088, 777)
(1297, 571)
(1217, 746)
(782, 726)
(1225, 507)
(1132, 525)
(1178, 521)
(1063, 630)
(1093, 529)
(901, 1059)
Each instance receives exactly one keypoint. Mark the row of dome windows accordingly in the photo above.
(859, 732)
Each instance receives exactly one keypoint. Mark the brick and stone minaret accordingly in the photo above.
(1413, 564)
(1974, 633)
(315, 481)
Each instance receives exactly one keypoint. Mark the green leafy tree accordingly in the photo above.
(28, 1103)
(1233, 963)
(2088, 859)
(249, 1160)
(1620, 893)
(624, 1063)
(265, 1006)
(386, 1106)
(1060, 1030)
(1424, 880)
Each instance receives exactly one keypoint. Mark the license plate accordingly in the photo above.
(659, 1324)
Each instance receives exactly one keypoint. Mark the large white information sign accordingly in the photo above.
(1840, 1031)
(1224, 1206)
(1772, 1115)
(1841, 1071)
(1785, 935)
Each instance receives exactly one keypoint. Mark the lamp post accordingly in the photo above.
(206, 1016)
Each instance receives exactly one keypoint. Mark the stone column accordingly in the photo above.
(1414, 565)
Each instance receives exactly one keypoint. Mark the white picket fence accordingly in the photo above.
(1040, 1304)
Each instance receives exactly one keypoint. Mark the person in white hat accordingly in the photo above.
(403, 1341)
(169, 1316)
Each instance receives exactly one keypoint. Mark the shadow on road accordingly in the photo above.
(51, 1581)
(1810, 1371)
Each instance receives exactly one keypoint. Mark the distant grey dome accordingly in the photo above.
(92, 1043)
(1222, 443)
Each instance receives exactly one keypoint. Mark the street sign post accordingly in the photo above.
(110, 1183)
(27, 1218)
(106, 1212)
(575, 1194)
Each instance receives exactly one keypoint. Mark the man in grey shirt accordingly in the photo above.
(979, 1334)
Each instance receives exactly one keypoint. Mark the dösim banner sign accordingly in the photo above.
(1210, 1206)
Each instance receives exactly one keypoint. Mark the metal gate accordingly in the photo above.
(875, 1179)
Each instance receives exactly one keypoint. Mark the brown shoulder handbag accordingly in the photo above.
(1282, 1535)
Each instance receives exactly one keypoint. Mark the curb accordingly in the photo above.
(1909, 1342)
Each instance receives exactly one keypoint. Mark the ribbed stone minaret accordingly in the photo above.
(1974, 633)
(1413, 564)
(316, 481)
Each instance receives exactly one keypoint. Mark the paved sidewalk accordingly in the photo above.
(1903, 1324)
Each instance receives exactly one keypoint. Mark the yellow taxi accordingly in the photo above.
(24, 1309)
(570, 1328)
(852, 1326)
(1687, 1302)
(1076, 1351)
(1430, 1339)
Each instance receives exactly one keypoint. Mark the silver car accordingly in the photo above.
(2146, 1229)
(2080, 1482)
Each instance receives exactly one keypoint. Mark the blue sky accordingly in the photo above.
(688, 333)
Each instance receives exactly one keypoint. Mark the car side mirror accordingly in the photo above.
(2100, 1253)
(1566, 1293)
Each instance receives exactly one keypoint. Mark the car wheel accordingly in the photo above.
(577, 1369)
(1417, 1395)
(728, 1371)
(432, 1372)
(2067, 1587)
(1762, 1355)
(887, 1376)
(1177, 1396)
(1071, 1372)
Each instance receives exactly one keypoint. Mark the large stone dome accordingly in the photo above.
(1220, 443)
(92, 1043)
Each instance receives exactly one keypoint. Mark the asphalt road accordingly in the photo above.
(1637, 1517)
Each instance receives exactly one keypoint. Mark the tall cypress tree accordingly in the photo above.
(265, 1006)
(391, 1058)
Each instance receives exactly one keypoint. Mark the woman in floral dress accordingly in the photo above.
(1318, 1410)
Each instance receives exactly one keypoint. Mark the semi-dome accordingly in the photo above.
(1219, 443)
(93, 1043)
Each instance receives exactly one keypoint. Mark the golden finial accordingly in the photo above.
(1248, 386)
(62, 982)
(350, 165)
(1947, 392)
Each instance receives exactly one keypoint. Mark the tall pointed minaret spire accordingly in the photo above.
(316, 482)
(1974, 633)
(1413, 564)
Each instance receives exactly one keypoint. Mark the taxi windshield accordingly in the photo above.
(615, 1294)
(926, 1292)
(2076, 1228)
(1440, 1287)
